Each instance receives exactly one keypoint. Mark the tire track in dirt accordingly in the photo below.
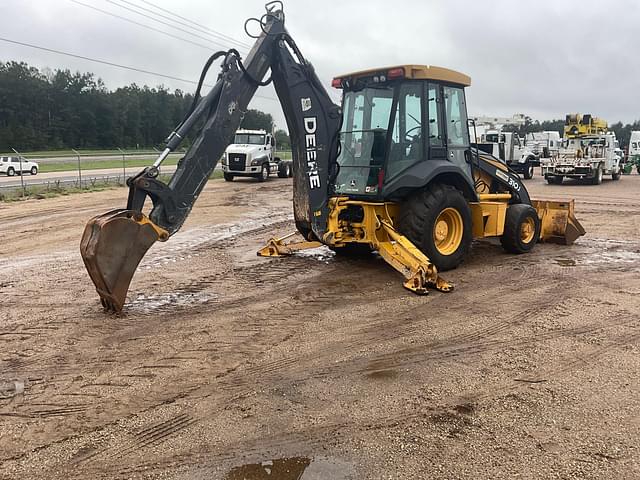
(272, 372)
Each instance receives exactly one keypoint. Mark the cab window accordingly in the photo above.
(433, 106)
(456, 117)
(407, 139)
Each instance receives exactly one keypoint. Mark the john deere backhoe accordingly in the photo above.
(391, 171)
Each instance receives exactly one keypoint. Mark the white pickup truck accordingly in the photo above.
(252, 154)
(12, 165)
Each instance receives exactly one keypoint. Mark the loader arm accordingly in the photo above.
(113, 244)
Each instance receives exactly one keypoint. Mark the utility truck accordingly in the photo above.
(253, 154)
(588, 157)
(633, 153)
(543, 144)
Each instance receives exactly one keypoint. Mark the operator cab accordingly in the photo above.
(397, 122)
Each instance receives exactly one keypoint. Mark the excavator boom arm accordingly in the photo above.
(114, 244)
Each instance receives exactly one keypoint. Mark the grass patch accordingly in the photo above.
(100, 164)
(70, 153)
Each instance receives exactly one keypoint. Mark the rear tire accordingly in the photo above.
(228, 177)
(284, 170)
(597, 177)
(617, 175)
(554, 179)
(521, 229)
(437, 220)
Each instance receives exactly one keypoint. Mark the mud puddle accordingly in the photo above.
(154, 303)
(598, 251)
(322, 254)
(293, 468)
(176, 248)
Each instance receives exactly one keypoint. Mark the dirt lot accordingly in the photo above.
(229, 366)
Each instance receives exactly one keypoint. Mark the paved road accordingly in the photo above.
(70, 176)
(97, 157)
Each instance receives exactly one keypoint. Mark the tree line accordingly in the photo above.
(52, 110)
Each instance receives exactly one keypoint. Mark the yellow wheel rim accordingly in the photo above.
(447, 231)
(527, 230)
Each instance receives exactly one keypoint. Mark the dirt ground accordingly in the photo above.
(229, 366)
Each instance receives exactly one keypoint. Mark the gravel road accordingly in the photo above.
(229, 366)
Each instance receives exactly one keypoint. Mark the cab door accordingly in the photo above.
(457, 134)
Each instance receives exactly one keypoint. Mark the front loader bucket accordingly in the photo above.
(112, 246)
(558, 222)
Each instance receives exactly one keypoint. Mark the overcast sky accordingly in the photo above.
(544, 58)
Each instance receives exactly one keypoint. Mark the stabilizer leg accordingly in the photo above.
(276, 247)
(405, 257)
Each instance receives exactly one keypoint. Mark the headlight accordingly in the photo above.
(257, 161)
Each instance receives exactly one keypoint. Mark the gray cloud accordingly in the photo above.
(543, 58)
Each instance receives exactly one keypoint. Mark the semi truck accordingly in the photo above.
(510, 148)
(253, 154)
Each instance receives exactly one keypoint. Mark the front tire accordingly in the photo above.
(437, 220)
(34, 171)
(521, 229)
(554, 179)
(228, 177)
(11, 172)
(528, 172)
(597, 177)
(264, 174)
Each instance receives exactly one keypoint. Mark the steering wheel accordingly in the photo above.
(411, 138)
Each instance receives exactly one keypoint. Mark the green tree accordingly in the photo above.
(257, 120)
(283, 142)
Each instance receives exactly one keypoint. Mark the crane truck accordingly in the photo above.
(588, 151)
(391, 170)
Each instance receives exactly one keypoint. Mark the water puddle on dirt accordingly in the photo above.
(293, 468)
(154, 303)
(566, 262)
(322, 254)
(599, 251)
(184, 244)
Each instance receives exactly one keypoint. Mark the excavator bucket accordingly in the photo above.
(112, 246)
(558, 222)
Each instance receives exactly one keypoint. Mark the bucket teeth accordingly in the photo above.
(112, 246)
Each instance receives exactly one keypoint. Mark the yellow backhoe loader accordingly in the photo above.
(392, 170)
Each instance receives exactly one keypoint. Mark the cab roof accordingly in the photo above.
(255, 132)
(414, 72)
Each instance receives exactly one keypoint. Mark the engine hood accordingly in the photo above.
(253, 150)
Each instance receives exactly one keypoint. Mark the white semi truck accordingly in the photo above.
(253, 154)
(510, 148)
